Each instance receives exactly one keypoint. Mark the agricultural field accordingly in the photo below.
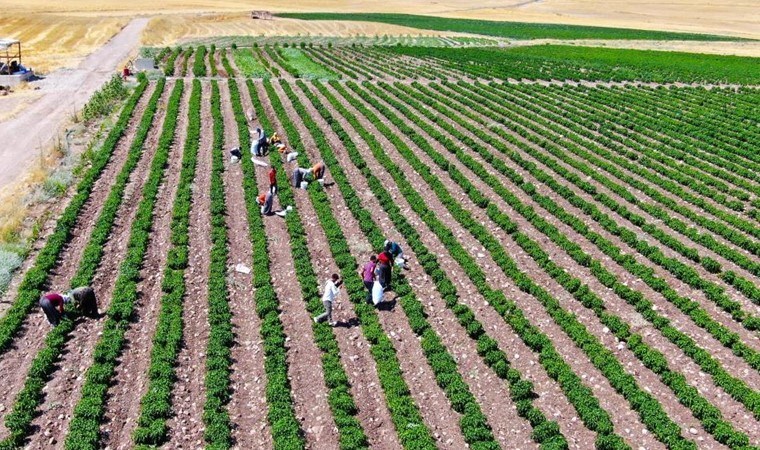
(583, 231)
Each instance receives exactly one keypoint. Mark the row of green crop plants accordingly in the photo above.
(84, 430)
(649, 356)
(589, 63)
(648, 408)
(203, 61)
(743, 285)
(729, 339)
(24, 409)
(19, 420)
(475, 428)
(678, 269)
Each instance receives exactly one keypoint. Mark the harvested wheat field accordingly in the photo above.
(581, 241)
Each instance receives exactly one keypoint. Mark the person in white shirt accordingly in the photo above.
(331, 291)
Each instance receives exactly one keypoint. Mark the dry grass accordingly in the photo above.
(50, 41)
(170, 29)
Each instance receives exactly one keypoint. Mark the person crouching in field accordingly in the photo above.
(328, 297)
(266, 201)
(52, 305)
(85, 301)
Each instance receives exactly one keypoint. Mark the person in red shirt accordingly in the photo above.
(273, 180)
(52, 305)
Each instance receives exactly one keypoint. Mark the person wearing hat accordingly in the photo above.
(52, 305)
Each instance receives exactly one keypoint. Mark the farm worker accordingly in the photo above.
(275, 139)
(396, 253)
(125, 73)
(85, 301)
(328, 297)
(273, 180)
(52, 305)
(318, 171)
(298, 175)
(236, 155)
(383, 270)
(266, 201)
(368, 275)
(259, 144)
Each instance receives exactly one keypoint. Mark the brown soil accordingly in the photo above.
(63, 390)
(248, 406)
(551, 399)
(186, 427)
(733, 364)
(305, 369)
(130, 380)
(435, 408)
(646, 378)
(15, 363)
(622, 416)
(354, 349)
(220, 70)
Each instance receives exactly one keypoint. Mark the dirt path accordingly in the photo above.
(355, 356)
(186, 426)
(130, 380)
(304, 358)
(65, 92)
(247, 407)
(14, 363)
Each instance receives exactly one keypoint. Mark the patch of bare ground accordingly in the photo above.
(231, 59)
(648, 380)
(550, 399)
(305, 370)
(63, 390)
(681, 321)
(354, 348)
(130, 381)
(491, 392)
(220, 70)
(435, 408)
(15, 363)
(626, 421)
(247, 407)
(186, 426)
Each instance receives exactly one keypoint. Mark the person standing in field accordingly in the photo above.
(368, 276)
(383, 270)
(273, 180)
(328, 297)
(52, 305)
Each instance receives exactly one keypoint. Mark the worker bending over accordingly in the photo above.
(85, 301)
(52, 305)
(318, 172)
(266, 201)
(396, 253)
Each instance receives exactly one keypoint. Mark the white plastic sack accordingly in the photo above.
(234, 159)
(304, 184)
(259, 162)
(399, 260)
(377, 293)
(291, 156)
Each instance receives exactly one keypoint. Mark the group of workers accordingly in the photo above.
(83, 299)
(301, 176)
(376, 275)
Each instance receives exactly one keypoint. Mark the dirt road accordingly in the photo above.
(63, 92)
